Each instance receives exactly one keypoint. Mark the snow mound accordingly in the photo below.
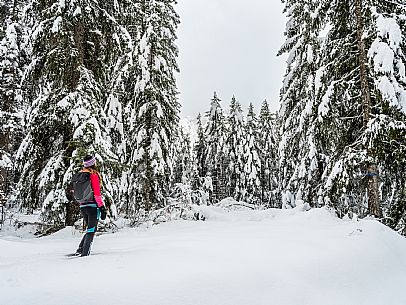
(231, 210)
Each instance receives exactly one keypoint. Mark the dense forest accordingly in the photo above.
(82, 77)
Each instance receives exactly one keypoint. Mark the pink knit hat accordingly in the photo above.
(89, 161)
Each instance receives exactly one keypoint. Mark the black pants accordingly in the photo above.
(91, 216)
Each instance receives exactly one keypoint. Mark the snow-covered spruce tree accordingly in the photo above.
(125, 15)
(386, 130)
(69, 73)
(252, 162)
(338, 115)
(268, 147)
(199, 149)
(12, 63)
(183, 158)
(299, 158)
(152, 107)
(215, 158)
(360, 116)
(234, 171)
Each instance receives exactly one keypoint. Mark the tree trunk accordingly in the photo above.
(372, 170)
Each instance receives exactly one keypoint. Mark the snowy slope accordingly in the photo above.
(278, 257)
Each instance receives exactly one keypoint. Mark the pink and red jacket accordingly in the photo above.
(95, 181)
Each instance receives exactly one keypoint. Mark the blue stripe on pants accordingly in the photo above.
(91, 230)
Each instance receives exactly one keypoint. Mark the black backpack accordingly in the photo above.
(69, 192)
(82, 187)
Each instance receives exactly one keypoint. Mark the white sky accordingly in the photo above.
(229, 46)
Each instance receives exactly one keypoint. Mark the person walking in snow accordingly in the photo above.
(87, 192)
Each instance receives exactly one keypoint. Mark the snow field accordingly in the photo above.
(280, 257)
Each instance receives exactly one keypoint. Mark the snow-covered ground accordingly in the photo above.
(272, 257)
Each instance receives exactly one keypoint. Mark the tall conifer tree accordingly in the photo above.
(117, 108)
(268, 148)
(298, 154)
(252, 161)
(152, 105)
(345, 114)
(234, 150)
(183, 158)
(214, 151)
(69, 73)
(362, 106)
(199, 149)
(12, 63)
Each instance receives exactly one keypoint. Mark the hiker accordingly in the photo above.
(86, 186)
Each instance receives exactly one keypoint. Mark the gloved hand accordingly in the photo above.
(103, 212)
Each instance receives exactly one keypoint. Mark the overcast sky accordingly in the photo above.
(229, 46)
